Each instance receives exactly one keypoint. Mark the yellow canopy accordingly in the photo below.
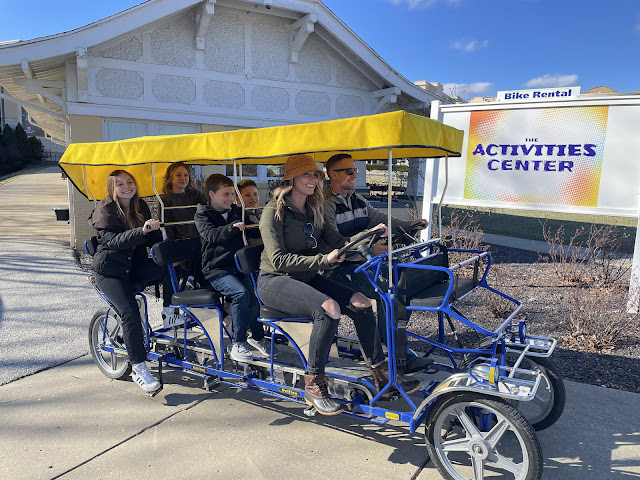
(365, 138)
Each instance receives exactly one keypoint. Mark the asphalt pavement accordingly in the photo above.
(61, 418)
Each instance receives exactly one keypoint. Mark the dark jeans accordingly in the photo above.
(299, 299)
(344, 274)
(244, 305)
(120, 291)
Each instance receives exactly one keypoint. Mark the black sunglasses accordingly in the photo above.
(350, 171)
(308, 231)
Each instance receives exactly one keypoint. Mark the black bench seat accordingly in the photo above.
(427, 288)
(201, 296)
(434, 295)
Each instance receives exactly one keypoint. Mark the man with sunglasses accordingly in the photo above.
(351, 214)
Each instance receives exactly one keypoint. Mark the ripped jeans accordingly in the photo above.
(299, 299)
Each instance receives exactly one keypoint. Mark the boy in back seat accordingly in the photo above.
(220, 225)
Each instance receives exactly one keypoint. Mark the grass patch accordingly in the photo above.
(528, 224)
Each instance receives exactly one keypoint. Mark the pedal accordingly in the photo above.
(420, 364)
(211, 382)
(310, 411)
(153, 394)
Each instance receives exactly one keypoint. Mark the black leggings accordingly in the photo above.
(299, 299)
(120, 291)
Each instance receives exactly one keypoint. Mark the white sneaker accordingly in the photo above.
(263, 346)
(171, 317)
(142, 376)
(240, 353)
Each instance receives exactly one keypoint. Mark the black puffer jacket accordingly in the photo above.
(119, 247)
(220, 240)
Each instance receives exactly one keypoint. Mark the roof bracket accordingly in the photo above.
(39, 87)
(389, 95)
(82, 66)
(203, 18)
(28, 73)
(305, 26)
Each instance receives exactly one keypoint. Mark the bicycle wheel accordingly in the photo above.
(106, 330)
(470, 436)
(547, 406)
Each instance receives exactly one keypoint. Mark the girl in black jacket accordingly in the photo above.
(125, 229)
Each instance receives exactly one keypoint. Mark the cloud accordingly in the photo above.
(466, 89)
(471, 46)
(551, 81)
(424, 3)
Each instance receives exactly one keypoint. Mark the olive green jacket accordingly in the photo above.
(286, 250)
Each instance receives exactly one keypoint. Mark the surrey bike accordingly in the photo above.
(472, 427)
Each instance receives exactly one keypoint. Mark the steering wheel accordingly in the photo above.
(403, 236)
(365, 249)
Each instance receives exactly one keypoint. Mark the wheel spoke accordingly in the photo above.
(505, 463)
(467, 423)
(540, 402)
(493, 437)
(459, 445)
(478, 468)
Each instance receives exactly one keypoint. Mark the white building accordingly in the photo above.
(188, 66)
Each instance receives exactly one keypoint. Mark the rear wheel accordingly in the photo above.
(106, 329)
(478, 437)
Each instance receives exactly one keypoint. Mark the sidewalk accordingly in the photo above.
(69, 421)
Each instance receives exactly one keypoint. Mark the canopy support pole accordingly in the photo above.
(389, 200)
(446, 184)
(86, 185)
(238, 196)
(153, 185)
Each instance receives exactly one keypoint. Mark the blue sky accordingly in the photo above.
(474, 47)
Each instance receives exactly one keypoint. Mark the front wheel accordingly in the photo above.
(547, 406)
(106, 329)
(474, 437)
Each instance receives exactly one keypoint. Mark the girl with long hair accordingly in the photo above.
(124, 230)
(179, 190)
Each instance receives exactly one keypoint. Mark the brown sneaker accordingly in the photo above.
(317, 395)
(380, 374)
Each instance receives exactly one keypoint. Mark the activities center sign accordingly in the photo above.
(578, 155)
(541, 156)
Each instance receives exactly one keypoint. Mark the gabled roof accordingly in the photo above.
(44, 58)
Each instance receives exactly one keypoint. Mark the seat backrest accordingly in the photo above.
(248, 259)
(165, 253)
(415, 280)
(91, 245)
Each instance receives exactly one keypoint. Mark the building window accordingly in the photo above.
(117, 130)
(248, 171)
(275, 171)
(122, 130)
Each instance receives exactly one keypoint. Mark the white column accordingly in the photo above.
(431, 173)
(634, 282)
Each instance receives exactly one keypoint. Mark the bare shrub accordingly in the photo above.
(590, 257)
(463, 232)
(498, 306)
(597, 318)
